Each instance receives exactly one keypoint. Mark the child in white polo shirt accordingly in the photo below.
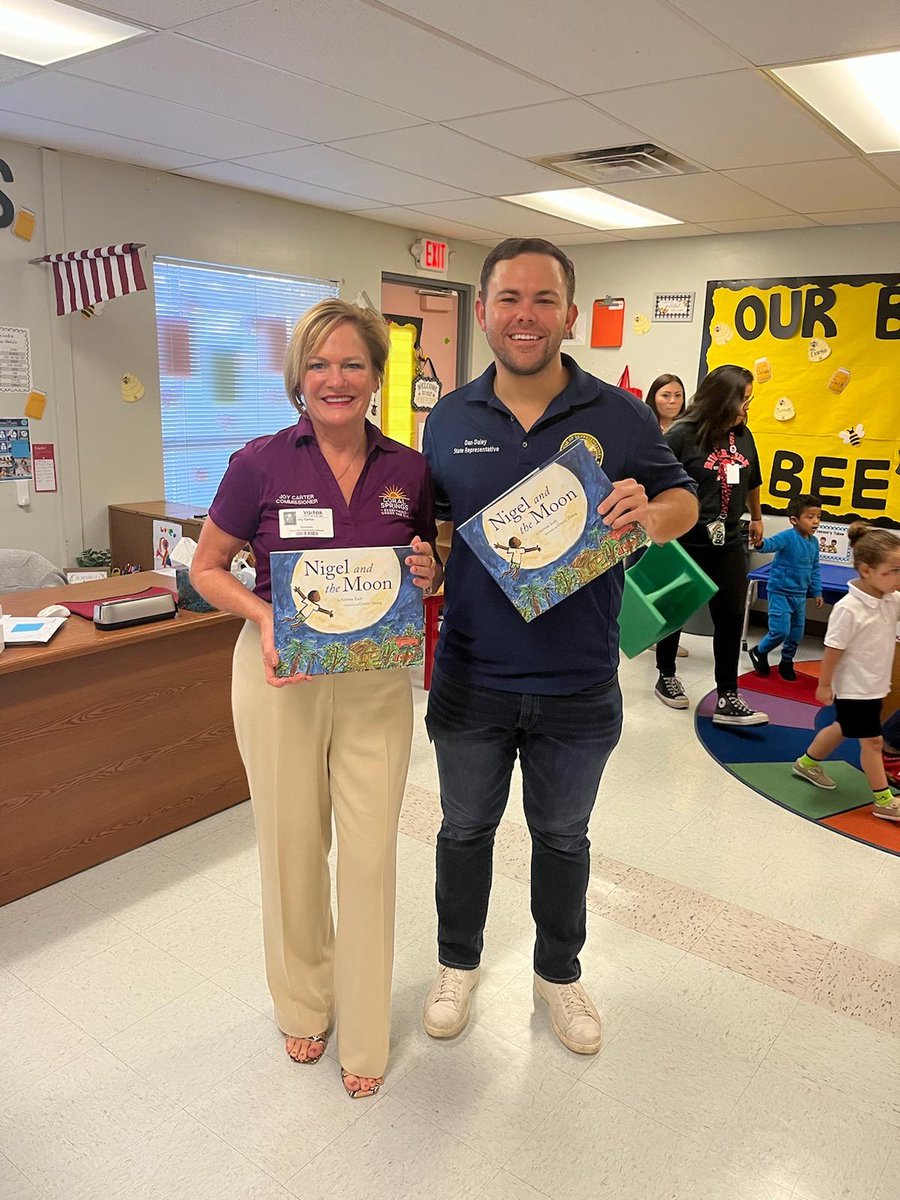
(856, 665)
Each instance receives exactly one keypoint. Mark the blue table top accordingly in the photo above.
(835, 577)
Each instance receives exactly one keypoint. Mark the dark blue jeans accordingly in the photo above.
(563, 743)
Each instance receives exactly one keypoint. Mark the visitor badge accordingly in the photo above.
(305, 523)
(733, 473)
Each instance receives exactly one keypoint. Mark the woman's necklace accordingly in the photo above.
(352, 461)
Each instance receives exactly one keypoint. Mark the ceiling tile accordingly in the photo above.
(888, 163)
(449, 157)
(760, 224)
(740, 119)
(809, 187)
(698, 198)
(509, 219)
(590, 237)
(860, 216)
(371, 53)
(163, 14)
(541, 129)
(776, 32)
(236, 175)
(14, 68)
(76, 140)
(578, 44)
(173, 67)
(419, 222)
(331, 168)
(57, 97)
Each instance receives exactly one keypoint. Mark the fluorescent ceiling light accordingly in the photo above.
(596, 210)
(859, 96)
(45, 31)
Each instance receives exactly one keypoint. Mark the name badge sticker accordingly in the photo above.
(733, 473)
(306, 523)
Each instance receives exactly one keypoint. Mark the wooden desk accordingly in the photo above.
(131, 529)
(110, 739)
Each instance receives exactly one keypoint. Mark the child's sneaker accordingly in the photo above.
(786, 670)
(815, 775)
(889, 811)
(760, 661)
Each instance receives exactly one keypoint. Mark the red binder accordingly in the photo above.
(608, 321)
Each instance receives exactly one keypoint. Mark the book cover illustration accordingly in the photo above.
(345, 610)
(544, 539)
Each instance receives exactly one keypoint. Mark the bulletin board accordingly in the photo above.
(825, 353)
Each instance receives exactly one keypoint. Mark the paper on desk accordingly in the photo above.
(183, 554)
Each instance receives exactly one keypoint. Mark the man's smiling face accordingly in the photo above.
(525, 314)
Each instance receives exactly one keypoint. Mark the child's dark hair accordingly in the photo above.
(870, 545)
(800, 504)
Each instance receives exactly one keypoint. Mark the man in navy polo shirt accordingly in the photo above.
(546, 690)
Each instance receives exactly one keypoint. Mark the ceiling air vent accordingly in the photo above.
(618, 164)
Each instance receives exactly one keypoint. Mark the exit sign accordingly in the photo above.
(430, 255)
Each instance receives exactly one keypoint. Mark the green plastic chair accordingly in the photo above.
(662, 589)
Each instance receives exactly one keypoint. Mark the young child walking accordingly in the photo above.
(794, 577)
(856, 665)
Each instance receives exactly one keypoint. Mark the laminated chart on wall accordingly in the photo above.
(824, 353)
(15, 450)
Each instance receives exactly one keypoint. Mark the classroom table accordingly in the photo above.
(835, 581)
(111, 738)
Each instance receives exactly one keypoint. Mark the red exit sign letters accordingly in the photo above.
(430, 255)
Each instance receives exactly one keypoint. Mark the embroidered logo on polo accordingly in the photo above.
(290, 498)
(394, 502)
(589, 440)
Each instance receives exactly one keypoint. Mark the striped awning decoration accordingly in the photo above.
(85, 277)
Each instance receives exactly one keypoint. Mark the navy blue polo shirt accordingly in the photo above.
(477, 450)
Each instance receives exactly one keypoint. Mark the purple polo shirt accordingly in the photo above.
(392, 502)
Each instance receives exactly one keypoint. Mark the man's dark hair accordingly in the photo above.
(800, 504)
(513, 247)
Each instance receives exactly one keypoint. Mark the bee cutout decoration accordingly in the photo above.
(852, 437)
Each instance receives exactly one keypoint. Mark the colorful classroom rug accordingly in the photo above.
(761, 756)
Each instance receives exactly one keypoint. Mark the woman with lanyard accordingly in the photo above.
(717, 450)
(325, 746)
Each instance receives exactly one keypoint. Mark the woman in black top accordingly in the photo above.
(717, 450)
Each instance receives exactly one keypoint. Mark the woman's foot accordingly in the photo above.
(360, 1087)
(306, 1050)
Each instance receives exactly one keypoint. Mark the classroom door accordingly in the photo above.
(437, 313)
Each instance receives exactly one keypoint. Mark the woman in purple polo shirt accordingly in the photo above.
(333, 744)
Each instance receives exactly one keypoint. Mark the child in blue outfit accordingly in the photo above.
(794, 577)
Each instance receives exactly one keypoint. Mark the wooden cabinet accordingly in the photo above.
(131, 529)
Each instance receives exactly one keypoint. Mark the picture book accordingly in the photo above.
(544, 539)
(346, 610)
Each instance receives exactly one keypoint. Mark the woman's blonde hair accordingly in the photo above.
(871, 545)
(316, 325)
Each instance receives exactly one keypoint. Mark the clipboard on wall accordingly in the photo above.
(608, 321)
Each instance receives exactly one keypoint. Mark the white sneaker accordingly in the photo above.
(446, 1009)
(573, 1016)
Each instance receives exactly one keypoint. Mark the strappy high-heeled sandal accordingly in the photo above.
(317, 1039)
(360, 1093)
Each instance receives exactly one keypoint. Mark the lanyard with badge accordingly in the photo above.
(725, 463)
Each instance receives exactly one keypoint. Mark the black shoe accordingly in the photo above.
(760, 661)
(669, 690)
(786, 670)
(731, 710)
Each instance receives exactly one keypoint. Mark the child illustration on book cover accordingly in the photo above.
(345, 610)
(551, 517)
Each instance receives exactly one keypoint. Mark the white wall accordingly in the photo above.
(108, 451)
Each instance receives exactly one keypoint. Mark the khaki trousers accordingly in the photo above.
(336, 745)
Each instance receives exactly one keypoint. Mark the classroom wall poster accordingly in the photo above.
(824, 352)
(166, 537)
(15, 450)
